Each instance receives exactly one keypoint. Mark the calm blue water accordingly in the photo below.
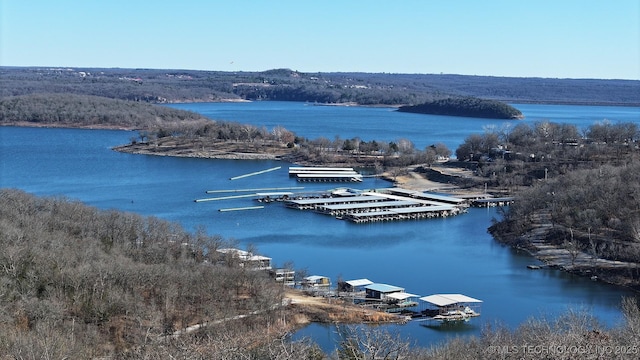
(386, 124)
(433, 256)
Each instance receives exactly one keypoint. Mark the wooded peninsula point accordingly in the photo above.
(466, 106)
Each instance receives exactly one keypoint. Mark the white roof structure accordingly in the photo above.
(243, 255)
(384, 288)
(359, 282)
(401, 295)
(448, 299)
(315, 278)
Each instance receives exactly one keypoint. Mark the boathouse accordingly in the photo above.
(399, 301)
(325, 174)
(381, 291)
(353, 286)
(451, 307)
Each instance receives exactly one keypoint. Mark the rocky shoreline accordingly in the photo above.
(536, 242)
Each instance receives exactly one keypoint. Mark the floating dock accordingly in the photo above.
(325, 174)
(381, 205)
(255, 173)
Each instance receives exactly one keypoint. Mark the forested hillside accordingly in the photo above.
(158, 86)
(583, 186)
(82, 283)
(89, 111)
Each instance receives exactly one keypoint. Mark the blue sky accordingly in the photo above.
(541, 38)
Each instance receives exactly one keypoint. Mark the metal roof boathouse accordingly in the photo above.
(325, 174)
(451, 307)
(382, 205)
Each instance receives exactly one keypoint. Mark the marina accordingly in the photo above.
(359, 206)
(381, 205)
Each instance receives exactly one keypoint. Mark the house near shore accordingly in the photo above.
(284, 276)
(352, 286)
(245, 259)
(316, 281)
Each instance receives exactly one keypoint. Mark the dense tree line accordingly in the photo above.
(150, 85)
(465, 106)
(584, 181)
(598, 208)
(86, 111)
(519, 155)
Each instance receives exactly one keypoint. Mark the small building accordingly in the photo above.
(352, 286)
(316, 281)
(245, 259)
(381, 291)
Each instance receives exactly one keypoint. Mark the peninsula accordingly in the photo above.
(466, 106)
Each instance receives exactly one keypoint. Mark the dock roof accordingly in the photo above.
(328, 175)
(402, 295)
(370, 204)
(342, 199)
(448, 299)
(427, 196)
(318, 168)
(359, 282)
(384, 288)
(407, 210)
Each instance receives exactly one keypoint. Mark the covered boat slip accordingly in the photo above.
(310, 204)
(343, 209)
(384, 193)
(325, 174)
(300, 169)
(381, 205)
(329, 177)
(451, 307)
(409, 213)
(426, 196)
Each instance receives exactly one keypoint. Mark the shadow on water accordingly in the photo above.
(455, 327)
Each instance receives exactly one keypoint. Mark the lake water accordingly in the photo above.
(453, 255)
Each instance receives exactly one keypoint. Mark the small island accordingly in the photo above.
(466, 106)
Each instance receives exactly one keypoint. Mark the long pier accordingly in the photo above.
(255, 173)
(226, 197)
(256, 190)
(241, 208)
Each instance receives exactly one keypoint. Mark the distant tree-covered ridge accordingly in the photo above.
(466, 106)
(88, 111)
(170, 86)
